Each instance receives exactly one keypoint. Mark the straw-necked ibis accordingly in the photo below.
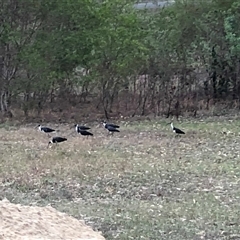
(111, 125)
(57, 140)
(176, 130)
(46, 129)
(78, 128)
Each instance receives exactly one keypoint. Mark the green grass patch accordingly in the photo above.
(141, 183)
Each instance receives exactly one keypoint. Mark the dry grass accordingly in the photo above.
(142, 183)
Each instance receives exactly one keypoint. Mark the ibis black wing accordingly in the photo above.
(112, 129)
(83, 128)
(177, 130)
(58, 139)
(85, 133)
(113, 125)
(47, 130)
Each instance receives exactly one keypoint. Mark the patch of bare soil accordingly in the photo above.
(28, 222)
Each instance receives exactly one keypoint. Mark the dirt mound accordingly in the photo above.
(27, 222)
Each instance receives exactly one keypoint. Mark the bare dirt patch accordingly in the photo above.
(28, 222)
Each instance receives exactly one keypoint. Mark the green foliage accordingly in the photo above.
(44, 42)
(82, 33)
(118, 43)
(232, 29)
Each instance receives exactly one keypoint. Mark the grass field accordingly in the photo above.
(143, 183)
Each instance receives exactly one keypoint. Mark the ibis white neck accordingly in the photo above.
(172, 125)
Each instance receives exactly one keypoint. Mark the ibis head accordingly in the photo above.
(50, 142)
(104, 123)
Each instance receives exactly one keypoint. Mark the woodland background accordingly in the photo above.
(94, 59)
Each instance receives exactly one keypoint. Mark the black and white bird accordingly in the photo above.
(45, 129)
(111, 127)
(57, 140)
(106, 125)
(176, 130)
(78, 128)
(83, 130)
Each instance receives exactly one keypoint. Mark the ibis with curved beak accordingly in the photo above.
(111, 125)
(46, 130)
(57, 140)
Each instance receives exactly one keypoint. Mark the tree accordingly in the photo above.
(118, 49)
(19, 21)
